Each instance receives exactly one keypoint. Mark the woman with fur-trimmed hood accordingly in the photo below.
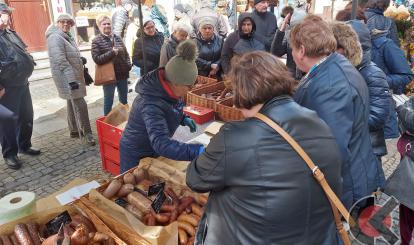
(359, 54)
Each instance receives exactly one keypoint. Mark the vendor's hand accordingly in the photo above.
(2, 92)
(285, 22)
(191, 124)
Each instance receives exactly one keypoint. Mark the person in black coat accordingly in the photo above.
(379, 92)
(280, 45)
(260, 190)
(152, 40)
(266, 24)
(157, 112)
(335, 90)
(209, 49)
(240, 41)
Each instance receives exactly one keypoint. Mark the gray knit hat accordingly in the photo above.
(65, 17)
(182, 69)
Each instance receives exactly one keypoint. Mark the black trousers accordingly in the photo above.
(16, 133)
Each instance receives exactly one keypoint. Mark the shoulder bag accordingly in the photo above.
(336, 205)
(105, 74)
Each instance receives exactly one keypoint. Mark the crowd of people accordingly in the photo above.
(333, 96)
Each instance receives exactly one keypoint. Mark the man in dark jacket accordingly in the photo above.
(374, 14)
(16, 66)
(391, 59)
(379, 94)
(157, 112)
(240, 41)
(266, 24)
(338, 93)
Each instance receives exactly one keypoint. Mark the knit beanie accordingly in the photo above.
(257, 1)
(182, 69)
(206, 20)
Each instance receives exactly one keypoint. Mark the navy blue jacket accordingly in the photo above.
(379, 92)
(153, 120)
(377, 20)
(209, 52)
(152, 48)
(338, 93)
(390, 58)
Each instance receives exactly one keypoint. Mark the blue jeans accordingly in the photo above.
(109, 91)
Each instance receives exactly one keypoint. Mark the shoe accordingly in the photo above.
(89, 140)
(74, 134)
(130, 90)
(13, 162)
(31, 151)
(129, 82)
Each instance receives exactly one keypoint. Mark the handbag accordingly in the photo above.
(105, 74)
(400, 183)
(336, 205)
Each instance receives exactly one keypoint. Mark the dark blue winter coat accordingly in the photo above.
(379, 92)
(390, 58)
(339, 94)
(377, 20)
(153, 120)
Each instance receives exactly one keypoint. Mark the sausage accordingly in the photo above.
(112, 189)
(125, 190)
(151, 220)
(129, 178)
(187, 227)
(78, 219)
(174, 215)
(144, 185)
(100, 237)
(182, 237)
(134, 211)
(191, 241)
(22, 234)
(1, 241)
(168, 208)
(139, 201)
(14, 240)
(33, 229)
(52, 240)
(192, 219)
(161, 218)
(6, 240)
(184, 203)
(197, 210)
(110, 241)
(202, 199)
(139, 175)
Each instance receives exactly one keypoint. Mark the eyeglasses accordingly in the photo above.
(68, 22)
(149, 27)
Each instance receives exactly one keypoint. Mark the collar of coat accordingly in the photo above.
(165, 85)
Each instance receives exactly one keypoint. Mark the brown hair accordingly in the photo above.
(346, 14)
(257, 77)
(315, 35)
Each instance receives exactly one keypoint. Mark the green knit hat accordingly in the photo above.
(182, 69)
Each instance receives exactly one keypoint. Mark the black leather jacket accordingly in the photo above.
(261, 191)
(209, 52)
(16, 63)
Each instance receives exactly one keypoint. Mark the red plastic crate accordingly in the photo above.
(109, 137)
(199, 114)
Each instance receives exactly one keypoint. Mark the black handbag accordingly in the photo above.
(400, 183)
(88, 78)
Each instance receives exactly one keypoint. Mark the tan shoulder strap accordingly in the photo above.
(336, 204)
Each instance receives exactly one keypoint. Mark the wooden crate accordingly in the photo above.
(194, 97)
(226, 112)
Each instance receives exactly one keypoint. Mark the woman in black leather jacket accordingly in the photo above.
(261, 190)
(209, 49)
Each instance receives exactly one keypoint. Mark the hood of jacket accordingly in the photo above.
(364, 37)
(348, 40)
(51, 29)
(242, 17)
(150, 85)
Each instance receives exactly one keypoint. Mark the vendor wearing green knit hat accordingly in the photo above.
(157, 112)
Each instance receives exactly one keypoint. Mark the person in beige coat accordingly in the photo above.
(67, 70)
